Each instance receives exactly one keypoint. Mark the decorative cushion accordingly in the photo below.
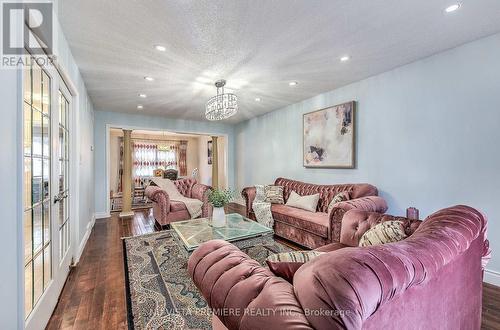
(382, 233)
(287, 263)
(274, 194)
(308, 203)
(340, 197)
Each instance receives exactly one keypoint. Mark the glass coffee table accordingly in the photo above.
(192, 233)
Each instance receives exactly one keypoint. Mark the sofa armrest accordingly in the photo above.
(367, 203)
(242, 293)
(161, 198)
(248, 194)
(200, 192)
(358, 282)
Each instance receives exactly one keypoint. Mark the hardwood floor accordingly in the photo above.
(94, 294)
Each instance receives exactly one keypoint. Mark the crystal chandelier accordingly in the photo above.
(223, 105)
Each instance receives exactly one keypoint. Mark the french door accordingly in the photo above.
(47, 117)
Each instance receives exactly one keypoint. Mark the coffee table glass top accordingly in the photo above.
(194, 232)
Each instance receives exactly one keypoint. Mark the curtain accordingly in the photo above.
(148, 156)
(182, 158)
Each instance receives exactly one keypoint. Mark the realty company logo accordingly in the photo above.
(27, 32)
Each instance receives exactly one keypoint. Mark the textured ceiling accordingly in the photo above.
(258, 46)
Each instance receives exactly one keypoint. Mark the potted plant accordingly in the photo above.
(219, 198)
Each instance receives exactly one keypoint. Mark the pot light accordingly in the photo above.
(143, 95)
(257, 99)
(160, 48)
(345, 58)
(453, 7)
(140, 107)
(293, 83)
(149, 78)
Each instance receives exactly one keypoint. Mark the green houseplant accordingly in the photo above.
(219, 198)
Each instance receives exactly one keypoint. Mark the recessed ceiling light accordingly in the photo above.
(149, 78)
(293, 83)
(257, 99)
(345, 58)
(453, 7)
(160, 48)
(140, 107)
(143, 95)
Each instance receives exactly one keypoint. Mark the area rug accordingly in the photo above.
(160, 292)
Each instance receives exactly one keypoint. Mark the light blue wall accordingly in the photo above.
(117, 119)
(428, 135)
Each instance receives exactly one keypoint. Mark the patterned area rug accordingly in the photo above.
(160, 292)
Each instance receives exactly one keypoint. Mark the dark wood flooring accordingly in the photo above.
(94, 294)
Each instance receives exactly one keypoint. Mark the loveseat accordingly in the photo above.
(430, 280)
(166, 211)
(315, 229)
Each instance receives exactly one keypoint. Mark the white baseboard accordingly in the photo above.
(492, 277)
(90, 225)
(101, 215)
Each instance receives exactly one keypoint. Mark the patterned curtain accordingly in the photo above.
(148, 156)
(120, 164)
(182, 158)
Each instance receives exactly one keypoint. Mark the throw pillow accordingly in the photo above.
(287, 263)
(382, 233)
(308, 203)
(340, 197)
(274, 194)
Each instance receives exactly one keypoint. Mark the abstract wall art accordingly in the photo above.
(329, 137)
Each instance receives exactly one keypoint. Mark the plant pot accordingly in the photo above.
(218, 217)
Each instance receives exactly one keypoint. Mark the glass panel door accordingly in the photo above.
(63, 196)
(36, 181)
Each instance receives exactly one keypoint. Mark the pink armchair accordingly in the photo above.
(166, 211)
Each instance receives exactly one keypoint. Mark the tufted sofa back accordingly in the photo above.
(326, 192)
(185, 186)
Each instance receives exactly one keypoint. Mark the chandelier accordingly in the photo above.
(223, 105)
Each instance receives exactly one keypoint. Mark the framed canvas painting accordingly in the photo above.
(329, 137)
(209, 152)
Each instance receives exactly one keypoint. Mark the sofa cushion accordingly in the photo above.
(340, 197)
(308, 202)
(274, 194)
(383, 233)
(177, 206)
(286, 264)
(315, 222)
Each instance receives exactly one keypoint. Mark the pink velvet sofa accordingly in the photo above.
(315, 229)
(430, 280)
(166, 211)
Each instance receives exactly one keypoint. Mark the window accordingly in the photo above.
(149, 156)
(36, 181)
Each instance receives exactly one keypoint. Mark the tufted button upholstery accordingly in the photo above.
(357, 222)
(432, 279)
(326, 192)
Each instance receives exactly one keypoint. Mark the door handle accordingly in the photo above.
(57, 198)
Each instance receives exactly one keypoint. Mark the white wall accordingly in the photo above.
(427, 135)
(205, 175)
(11, 172)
